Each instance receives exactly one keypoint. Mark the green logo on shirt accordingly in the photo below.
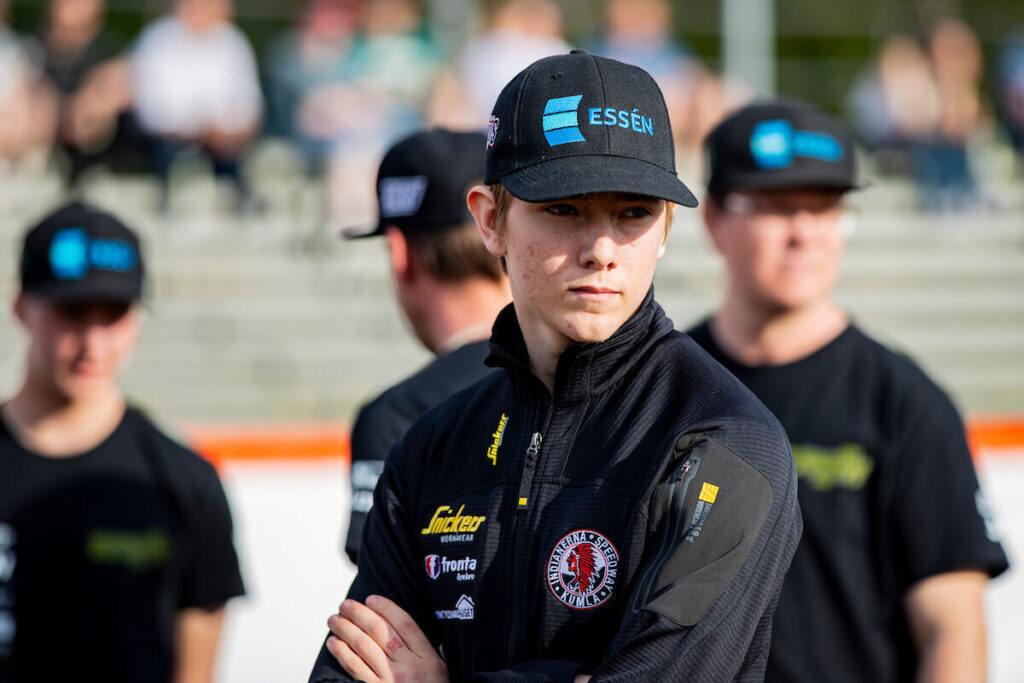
(136, 550)
(846, 466)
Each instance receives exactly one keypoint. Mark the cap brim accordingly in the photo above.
(771, 181)
(79, 292)
(578, 175)
(358, 232)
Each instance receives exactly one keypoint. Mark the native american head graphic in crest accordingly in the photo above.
(582, 569)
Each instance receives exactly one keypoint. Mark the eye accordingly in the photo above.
(561, 210)
(637, 212)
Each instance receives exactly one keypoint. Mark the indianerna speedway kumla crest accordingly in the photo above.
(582, 569)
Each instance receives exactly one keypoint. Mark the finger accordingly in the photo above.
(403, 624)
(362, 644)
(350, 661)
(375, 625)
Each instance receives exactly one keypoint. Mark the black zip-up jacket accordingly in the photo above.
(635, 525)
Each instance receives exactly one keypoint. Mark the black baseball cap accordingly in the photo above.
(423, 180)
(79, 253)
(576, 124)
(780, 144)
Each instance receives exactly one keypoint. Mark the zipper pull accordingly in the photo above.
(531, 464)
(534, 445)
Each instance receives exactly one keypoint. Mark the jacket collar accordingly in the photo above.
(584, 370)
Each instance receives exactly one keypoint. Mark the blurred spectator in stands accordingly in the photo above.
(27, 104)
(387, 77)
(196, 86)
(1011, 89)
(640, 32)
(519, 33)
(941, 164)
(305, 63)
(81, 62)
(924, 105)
(895, 101)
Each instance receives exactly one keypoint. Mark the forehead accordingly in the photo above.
(600, 198)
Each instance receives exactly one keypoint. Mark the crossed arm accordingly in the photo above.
(380, 643)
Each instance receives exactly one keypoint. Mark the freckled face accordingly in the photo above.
(580, 267)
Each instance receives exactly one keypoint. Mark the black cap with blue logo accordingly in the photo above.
(79, 253)
(576, 124)
(777, 145)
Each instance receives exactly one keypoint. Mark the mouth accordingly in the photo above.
(594, 292)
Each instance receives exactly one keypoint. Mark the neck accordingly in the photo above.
(544, 347)
(55, 426)
(460, 313)
(756, 335)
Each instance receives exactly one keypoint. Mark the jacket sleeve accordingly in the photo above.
(387, 567)
(722, 534)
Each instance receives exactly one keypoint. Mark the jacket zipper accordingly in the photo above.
(686, 472)
(522, 505)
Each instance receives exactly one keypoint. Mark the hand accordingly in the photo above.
(380, 643)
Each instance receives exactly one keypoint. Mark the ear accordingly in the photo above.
(401, 256)
(713, 222)
(20, 308)
(480, 201)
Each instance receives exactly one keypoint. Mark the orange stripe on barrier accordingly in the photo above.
(270, 442)
(303, 442)
(994, 434)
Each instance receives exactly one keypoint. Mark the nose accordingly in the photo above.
(599, 250)
(802, 226)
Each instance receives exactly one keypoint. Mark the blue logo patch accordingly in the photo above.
(72, 254)
(774, 144)
(561, 120)
(69, 254)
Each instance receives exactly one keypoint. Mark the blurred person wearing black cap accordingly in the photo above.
(613, 503)
(449, 287)
(898, 545)
(116, 557)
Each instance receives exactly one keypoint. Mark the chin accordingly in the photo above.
(590, 331)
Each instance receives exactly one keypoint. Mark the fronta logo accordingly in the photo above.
(706, 499)
(463, 568)
(561, 120)
(402, 196)
(582, 569)
(774, 144)
(72, 254)
(498, 436)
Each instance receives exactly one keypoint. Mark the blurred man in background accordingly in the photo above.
(116, 557)
(196, 85)
(449, 287)
(28, 106)
(887, 581)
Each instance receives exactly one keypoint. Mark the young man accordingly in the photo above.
(447, 283)
(116, 556)
(613, 504)
(887, 581)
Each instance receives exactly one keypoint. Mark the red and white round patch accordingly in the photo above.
(582, 569)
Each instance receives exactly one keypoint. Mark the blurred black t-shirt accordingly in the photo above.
(889, 497)
(99, 551)
(383, 421)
